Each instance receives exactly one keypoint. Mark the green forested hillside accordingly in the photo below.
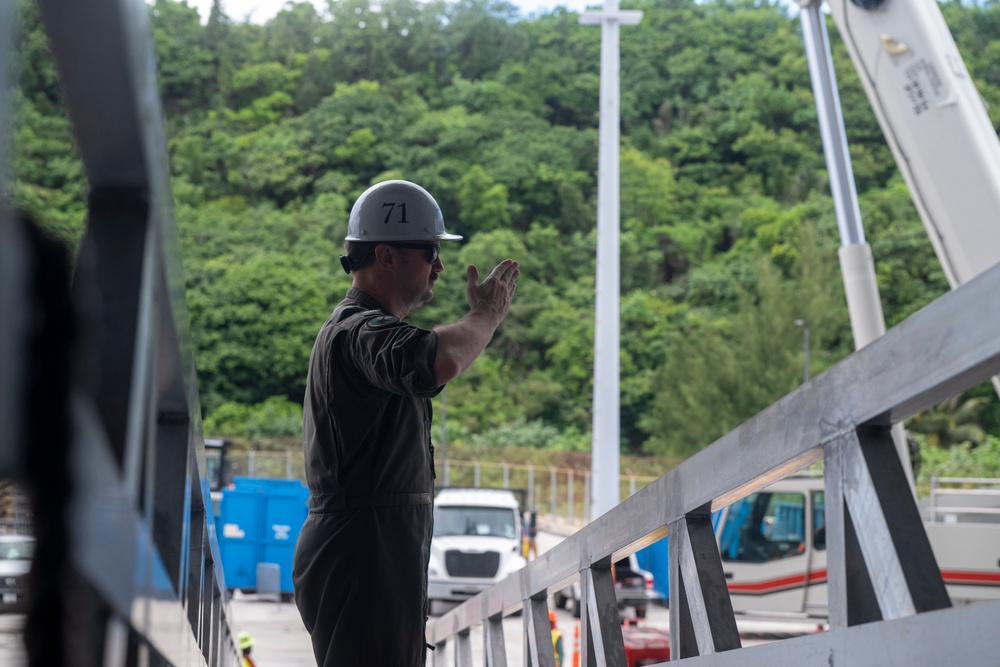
(728, 231)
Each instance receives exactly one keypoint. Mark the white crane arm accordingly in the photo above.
(935, 123)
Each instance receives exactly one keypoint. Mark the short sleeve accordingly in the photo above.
(393, 355)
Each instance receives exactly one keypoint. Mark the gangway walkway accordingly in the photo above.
(887, 600)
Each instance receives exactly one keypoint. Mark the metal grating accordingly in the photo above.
(482, 565)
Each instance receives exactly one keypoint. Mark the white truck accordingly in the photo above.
(476, 543)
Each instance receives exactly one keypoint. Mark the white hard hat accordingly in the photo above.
(397, 211)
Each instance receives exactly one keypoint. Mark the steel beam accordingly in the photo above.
(439, 655)
(494, 647)
(835, 527)
(602, 616)
(138, 460)
(463, 649)
(538, 632)
(890, 532)
(704, 616)
(963, 635)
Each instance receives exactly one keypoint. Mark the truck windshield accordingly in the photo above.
(17, 549)
(490, 521)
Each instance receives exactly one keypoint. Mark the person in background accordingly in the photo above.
(525, 521)
(532, 533)
(246, 646)
(557, 642)
(360, 564)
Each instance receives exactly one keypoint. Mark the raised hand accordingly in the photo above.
(493, 295)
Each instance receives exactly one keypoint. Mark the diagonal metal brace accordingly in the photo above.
(888, 570)
(605, 645)
(493, 642)
(701, 611)
(539, 631)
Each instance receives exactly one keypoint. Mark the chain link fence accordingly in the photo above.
(561, 493)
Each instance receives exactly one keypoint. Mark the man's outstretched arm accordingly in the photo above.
(461, 342)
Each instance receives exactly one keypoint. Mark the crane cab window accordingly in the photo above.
(764, 526)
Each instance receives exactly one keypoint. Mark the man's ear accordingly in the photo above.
(384, 255)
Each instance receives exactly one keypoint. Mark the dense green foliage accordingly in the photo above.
(728, 231)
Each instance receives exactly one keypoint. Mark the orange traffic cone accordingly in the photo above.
(576, 646)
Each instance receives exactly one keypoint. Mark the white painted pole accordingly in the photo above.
(605, 448)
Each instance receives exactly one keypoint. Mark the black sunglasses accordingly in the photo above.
(431, 252)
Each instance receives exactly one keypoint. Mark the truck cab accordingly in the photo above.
(773, 548)
(476, 542)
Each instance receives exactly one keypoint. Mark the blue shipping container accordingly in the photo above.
(259, 522)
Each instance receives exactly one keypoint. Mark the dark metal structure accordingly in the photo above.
(143, 557)
(887, 601)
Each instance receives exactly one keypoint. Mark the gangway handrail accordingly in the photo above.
(939, 490)
(965, 509)
(841, 417)
(147, 584)
(935, 481)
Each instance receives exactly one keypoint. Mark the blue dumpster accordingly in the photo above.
(259, 522)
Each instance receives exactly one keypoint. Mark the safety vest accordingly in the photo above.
(557, 646)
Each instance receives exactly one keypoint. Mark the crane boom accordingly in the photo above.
(935, 124)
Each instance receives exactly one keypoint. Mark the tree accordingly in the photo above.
(253, 324)
(187, 69)
(721, 370)
(728, 231)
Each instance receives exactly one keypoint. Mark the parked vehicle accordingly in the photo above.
(633, 589)
(773, 547)
(16, 552)
(476, 542)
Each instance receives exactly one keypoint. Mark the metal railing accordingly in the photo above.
(147, 585)
(886, 594)
(558, 492)
(980, 496)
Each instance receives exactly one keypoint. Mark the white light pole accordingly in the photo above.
(606, 419)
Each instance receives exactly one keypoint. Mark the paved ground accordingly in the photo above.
(12, 641)
(281, 641)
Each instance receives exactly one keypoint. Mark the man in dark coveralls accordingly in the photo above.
(360, 567)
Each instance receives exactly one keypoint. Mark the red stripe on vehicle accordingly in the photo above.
(778, 584)
(791, 582)
(971, 577)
